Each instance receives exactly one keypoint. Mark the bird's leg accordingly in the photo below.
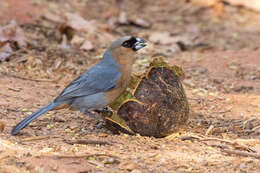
(104, 111)
(100, 119)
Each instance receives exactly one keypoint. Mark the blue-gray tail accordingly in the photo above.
(33, 116)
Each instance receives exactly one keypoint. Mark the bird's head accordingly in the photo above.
(123, 50)
(129, 43)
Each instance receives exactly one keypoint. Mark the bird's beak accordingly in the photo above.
(139, 44)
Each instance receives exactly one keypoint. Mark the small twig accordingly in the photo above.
(242, 153)
(256, 128)
(36, 138)
(24, 78)
(233, 143)
(185, 138)
(93, 162)
(210, 129)
(217, 139)
(4, 157)
(251, 119)
(199, 139)
(221, 146)
(223, 111)
(10, 109)
(82, 156)
(87, 141)
(14, 89)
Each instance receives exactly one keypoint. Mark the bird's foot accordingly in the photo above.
(100, 124)
(100, 119)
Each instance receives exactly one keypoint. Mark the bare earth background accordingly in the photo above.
(216, 44)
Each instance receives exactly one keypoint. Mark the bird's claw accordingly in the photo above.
(100, 124)
(100, 119)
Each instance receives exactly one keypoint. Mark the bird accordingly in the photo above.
(98, 86)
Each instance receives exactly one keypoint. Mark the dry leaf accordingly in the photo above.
(141, 22)
(2, 126)
(122, 19)
(80, 24)
(251, 4)
(87, 45)
(5, 51)
(12, 32)
(161, 37)
(11, 39)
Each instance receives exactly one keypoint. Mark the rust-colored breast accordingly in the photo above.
(125, 58)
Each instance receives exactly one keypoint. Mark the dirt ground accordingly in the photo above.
(218, 50)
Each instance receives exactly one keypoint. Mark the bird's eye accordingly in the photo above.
(126, 44)
(129, 43)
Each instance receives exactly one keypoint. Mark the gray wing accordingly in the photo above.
(101, 77)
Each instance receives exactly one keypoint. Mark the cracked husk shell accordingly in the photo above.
(157, 105)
